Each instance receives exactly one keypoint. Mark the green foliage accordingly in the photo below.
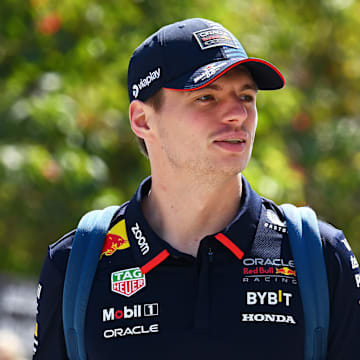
(65, 143)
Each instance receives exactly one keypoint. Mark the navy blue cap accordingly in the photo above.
(189, 55)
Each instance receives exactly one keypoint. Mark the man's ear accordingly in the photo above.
(139, 119)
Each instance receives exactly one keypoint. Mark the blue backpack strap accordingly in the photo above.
(80, 272)
(306, 247)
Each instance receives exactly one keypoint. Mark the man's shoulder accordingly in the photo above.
(59, 251)
(336, 246)
(271, 207)
(63, 244)
(329, 234)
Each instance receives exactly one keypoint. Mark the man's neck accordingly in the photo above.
(182, 213)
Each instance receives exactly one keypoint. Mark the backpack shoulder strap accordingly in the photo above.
(80, 272)
(306, 247)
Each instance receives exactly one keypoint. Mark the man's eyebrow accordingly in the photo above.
(212, 86)
(217, 87)
(251, 86)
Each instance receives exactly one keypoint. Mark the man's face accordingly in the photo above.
(208, 131)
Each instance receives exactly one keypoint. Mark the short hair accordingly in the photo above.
(156, 101)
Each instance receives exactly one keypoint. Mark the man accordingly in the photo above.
(198, 265)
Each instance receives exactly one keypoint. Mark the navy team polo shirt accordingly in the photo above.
(239, 298)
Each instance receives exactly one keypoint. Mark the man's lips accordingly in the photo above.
(232, 141)
(233, 137)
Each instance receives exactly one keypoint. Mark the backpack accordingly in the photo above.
(306, 247)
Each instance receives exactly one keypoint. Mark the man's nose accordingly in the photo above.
(235, 111)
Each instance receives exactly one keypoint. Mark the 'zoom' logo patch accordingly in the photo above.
(141, 240)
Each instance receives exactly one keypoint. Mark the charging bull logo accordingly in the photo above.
(286, 271)
(116, 239)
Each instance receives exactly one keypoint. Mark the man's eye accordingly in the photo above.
(248, 98)
(205, 98)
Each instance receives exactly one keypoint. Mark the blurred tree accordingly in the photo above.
(65, 143)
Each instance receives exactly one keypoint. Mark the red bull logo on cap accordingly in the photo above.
(116, 239)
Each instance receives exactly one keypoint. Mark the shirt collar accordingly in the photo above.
(241, 231)
(147, 245)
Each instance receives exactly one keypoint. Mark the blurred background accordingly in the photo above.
(65, 140)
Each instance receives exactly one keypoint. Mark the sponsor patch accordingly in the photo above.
(271, 262)
(209, 71)
(273, 318)
(286, 271)
(36, 344)
(274, 222)
(130, 312)
(128, 281)
(273, 279)
(36, 335)
(357, 280)
(278, 228)
(145, 82)
(38, 291)
(140, 238)
(267, 270)
(346, 244)
(354, 262)
(131, 330)
(36, 330)
(213, 37)
(274, 218)
(116, 239)
(259, 270)
(271, 298)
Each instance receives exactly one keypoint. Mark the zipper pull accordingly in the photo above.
(210, 254)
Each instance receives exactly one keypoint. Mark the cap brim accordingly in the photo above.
(265, 75)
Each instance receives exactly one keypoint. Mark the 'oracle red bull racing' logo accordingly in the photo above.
(258, 270)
